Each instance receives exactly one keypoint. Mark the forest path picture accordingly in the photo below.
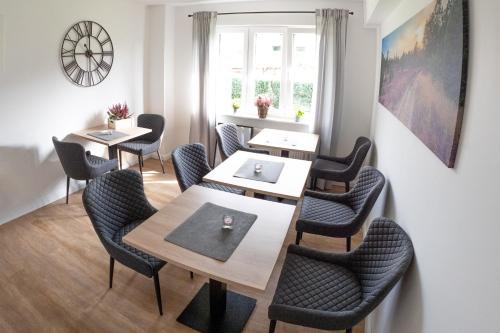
(423, 75)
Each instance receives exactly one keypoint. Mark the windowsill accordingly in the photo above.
(271, 121)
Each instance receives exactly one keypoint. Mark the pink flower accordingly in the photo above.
(263, 100)
(119, 111)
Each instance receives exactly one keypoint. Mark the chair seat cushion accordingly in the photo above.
(222, 188)
(322, 217)
(329, 170)
(154, 262)
(308, 283)
(139, 146)
(101, 165)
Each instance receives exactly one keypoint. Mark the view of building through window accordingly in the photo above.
(278, 62)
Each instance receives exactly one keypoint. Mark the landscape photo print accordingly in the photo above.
(424, 73)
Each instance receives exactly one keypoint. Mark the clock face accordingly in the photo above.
(87, 53)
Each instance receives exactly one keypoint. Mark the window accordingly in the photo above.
(274, 61)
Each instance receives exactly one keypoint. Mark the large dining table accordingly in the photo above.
(215, 308)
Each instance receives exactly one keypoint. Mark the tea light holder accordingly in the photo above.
(258, 167)
(227, 222)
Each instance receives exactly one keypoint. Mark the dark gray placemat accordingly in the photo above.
(107, 137)
(202, 232)
(270, 173)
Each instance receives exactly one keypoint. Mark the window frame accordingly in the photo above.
(286, 109)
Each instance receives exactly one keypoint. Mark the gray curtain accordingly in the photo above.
(203, 114)
(331, 33)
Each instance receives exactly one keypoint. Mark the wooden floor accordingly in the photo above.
(54, 275)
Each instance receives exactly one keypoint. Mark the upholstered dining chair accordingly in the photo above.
(191, 165)
(79, 164)
(147, 143)
(116, 204)
(340, 215)
(229, 142)
(340, 169)
(335, 291)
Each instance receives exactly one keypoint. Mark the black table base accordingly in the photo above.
(285, 153)
(215, 309)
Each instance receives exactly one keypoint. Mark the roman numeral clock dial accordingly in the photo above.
(87, 53)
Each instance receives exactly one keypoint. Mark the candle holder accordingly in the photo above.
(227, 222)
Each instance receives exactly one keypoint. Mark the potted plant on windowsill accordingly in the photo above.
(119, 116)
(236, 105)
(299, 115)
(263, 103)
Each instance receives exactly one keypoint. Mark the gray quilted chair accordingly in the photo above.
(147, 143)
(229, 142)
(116, 204)
(335, 291)
(191, 165)
(340, 169)
(340, 215)
(79, 164)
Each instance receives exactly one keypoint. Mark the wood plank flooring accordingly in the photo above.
(54, 274)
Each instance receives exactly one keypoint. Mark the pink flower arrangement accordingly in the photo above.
(119, 111)
(263, 100)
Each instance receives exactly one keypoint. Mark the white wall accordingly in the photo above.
(360, 67)
(451, 215)
(37, 101)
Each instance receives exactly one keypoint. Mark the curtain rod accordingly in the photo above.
(276, 12)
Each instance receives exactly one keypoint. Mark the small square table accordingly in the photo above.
(132, 133)
(214, 308)
(286, 141)
(290, 184)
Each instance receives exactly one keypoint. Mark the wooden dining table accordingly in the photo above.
(215, 308)
(290, 184)
(285, 141)
(130, 133)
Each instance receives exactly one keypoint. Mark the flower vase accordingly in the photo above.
(119, 124)
(262, 111)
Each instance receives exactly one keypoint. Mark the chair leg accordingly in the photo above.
(298, 238)
(140, 163)
(272, 326)
(158, 293)
(348, 244)
(349, 330)
(161, 161)
(120, 158)
(67, 189)
(347, 187)
(191, 274)
(86, 181)
(314, 181)
(111, 269)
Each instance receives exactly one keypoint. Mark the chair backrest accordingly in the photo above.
(73, 159)
(227, 139)
(190, 164)
(359, 152)
(115, 200)
(365, 192)
(155, 122)
(381, 260)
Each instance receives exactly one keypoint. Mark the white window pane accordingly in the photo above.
(268, 64)
(231, 71)
(303, 69)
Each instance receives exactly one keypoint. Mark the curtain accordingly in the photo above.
(203, 85)
(331, 33)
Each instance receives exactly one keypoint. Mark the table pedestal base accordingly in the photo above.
(214, 309)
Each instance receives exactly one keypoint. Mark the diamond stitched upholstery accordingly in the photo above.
(229, 142)
(342, 169)
(77, 164)
(341, 215)
(116, 204)
(365, 276)
(147, 143)
(191, 165)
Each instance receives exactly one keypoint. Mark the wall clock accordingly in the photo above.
(87, 53)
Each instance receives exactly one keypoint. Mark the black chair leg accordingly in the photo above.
(86, 181)
(111, 269)
(191, 274)
(158, 293)
(349, 330)
(348, 244)
(161, 161)
(298, 238)
(347, 187)
(67, 189)
(272, 326)
(140, 163)
(120, 158)
(314, 181)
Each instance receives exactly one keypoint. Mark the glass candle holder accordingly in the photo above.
(227, 222)
(258, 167)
